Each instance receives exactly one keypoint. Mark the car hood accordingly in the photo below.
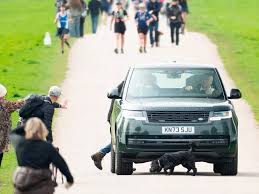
(188, 104)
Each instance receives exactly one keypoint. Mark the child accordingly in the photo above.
(62, 23)
(143, 19)
(118, 17)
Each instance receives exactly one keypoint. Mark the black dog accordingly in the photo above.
(170, 160)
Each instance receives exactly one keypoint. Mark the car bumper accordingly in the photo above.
(213, 141)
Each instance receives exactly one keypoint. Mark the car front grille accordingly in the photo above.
(178, 116)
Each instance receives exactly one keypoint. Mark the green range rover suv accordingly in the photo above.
(165, 108)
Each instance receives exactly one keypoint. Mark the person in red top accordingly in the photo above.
(119, 16)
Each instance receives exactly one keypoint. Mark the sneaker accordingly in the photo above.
(97, 158)
(122, 51)
(116, 51)
(140, 50)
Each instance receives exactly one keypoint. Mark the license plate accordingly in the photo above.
(178, 130)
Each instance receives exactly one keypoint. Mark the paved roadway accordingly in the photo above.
(82, 129)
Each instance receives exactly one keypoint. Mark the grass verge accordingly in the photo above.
(26, 66)
(233, 26)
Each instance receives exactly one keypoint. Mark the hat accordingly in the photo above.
(54, 91)
(3, 91)
(141, 5)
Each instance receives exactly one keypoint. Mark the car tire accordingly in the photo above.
(112, 161)
(122, 168)
(216, 167)
(229, 168)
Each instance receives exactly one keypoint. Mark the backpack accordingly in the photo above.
(33, 103)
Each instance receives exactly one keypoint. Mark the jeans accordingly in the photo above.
(82, 22)
(94, 23)
(74, 27)
(175, 27)
(107, 149)
(153, 28)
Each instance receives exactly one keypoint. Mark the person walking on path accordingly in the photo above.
(185, 11)
(143, 20)
(82, 18)
(75, 12)
(119, 16)
(174, 15)
(95, 8)
(34, 156)
(62, 20)
(154, 7)
(6, 109)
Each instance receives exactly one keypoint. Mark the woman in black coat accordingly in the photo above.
(34, 156)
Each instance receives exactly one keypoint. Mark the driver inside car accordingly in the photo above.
(205, 87)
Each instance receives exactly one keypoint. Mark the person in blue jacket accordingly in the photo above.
(143, 19)
(154, 7)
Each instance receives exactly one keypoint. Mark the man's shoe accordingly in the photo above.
(97, 158)
(157, 44)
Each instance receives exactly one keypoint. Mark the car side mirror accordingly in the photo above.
(235, 94)
(114, 94)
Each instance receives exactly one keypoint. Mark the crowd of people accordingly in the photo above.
(32, 141)
(71, 15)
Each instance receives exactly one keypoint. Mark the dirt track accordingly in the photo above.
(82, 129)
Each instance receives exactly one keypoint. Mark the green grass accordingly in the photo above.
(233, 26)
(26, 66)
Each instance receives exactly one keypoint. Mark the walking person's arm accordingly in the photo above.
(61, 164)
(56, 19)
(17, 136)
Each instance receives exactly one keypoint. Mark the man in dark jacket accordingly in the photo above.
(154, 7)
(94, 8)
(46, 111)
(174, 15)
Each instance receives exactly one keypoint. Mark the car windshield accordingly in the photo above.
(175, 83)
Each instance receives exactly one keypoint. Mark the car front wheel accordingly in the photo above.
(122, 167)
(227, 168)
(112, 161)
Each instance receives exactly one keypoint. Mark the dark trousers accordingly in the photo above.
(82, 23)
(1, 158)
(175, 27)
(153, 29)
(94, 23)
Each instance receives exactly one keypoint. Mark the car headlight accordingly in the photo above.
(216, 116)
(135, 115)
